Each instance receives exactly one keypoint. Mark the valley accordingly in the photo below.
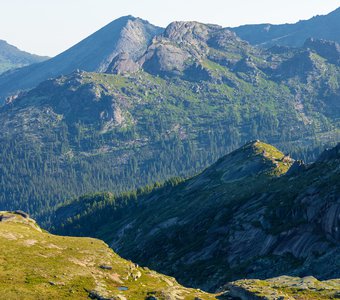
(185, 162)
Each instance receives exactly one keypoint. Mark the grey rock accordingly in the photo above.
(21, 213)
(105, 267)
(122, 64)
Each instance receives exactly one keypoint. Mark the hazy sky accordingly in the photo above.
(48, 27)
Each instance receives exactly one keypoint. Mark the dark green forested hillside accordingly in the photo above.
(198, 93)
(253, 214)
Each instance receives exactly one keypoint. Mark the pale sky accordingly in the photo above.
(48, 27)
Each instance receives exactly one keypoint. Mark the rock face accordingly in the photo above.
(122, 64)
(222, 39)
(181, 44)
(183, 47)
(242, 217)
(165, 59)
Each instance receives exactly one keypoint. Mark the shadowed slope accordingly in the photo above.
(242, 217)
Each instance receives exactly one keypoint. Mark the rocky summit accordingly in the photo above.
(246, 216)
(95, 53)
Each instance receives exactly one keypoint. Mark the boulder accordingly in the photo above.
(122, 64)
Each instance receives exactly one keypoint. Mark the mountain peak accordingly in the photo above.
(261, 149)
(180, 31)
(254, 159)
(93, 54)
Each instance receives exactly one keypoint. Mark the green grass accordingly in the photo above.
(38, 265)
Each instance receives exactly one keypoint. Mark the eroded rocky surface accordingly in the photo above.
(245, 216)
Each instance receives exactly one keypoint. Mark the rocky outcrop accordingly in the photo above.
(300, 65)
(223, 39)
(183, 47)
(122, 64)
(283, 288)
(191, 35)
(165, 59)
(327, 49)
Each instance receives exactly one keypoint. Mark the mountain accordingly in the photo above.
(130, 37)
(11, 57)
(293, 35)
(255, 213)
(127, 34)
(38, 265)
(197, 93)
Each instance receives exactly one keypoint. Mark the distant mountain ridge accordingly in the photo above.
(94, 54)
(294, 35)
(11, 57)
(118, 46)
(196, 93)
